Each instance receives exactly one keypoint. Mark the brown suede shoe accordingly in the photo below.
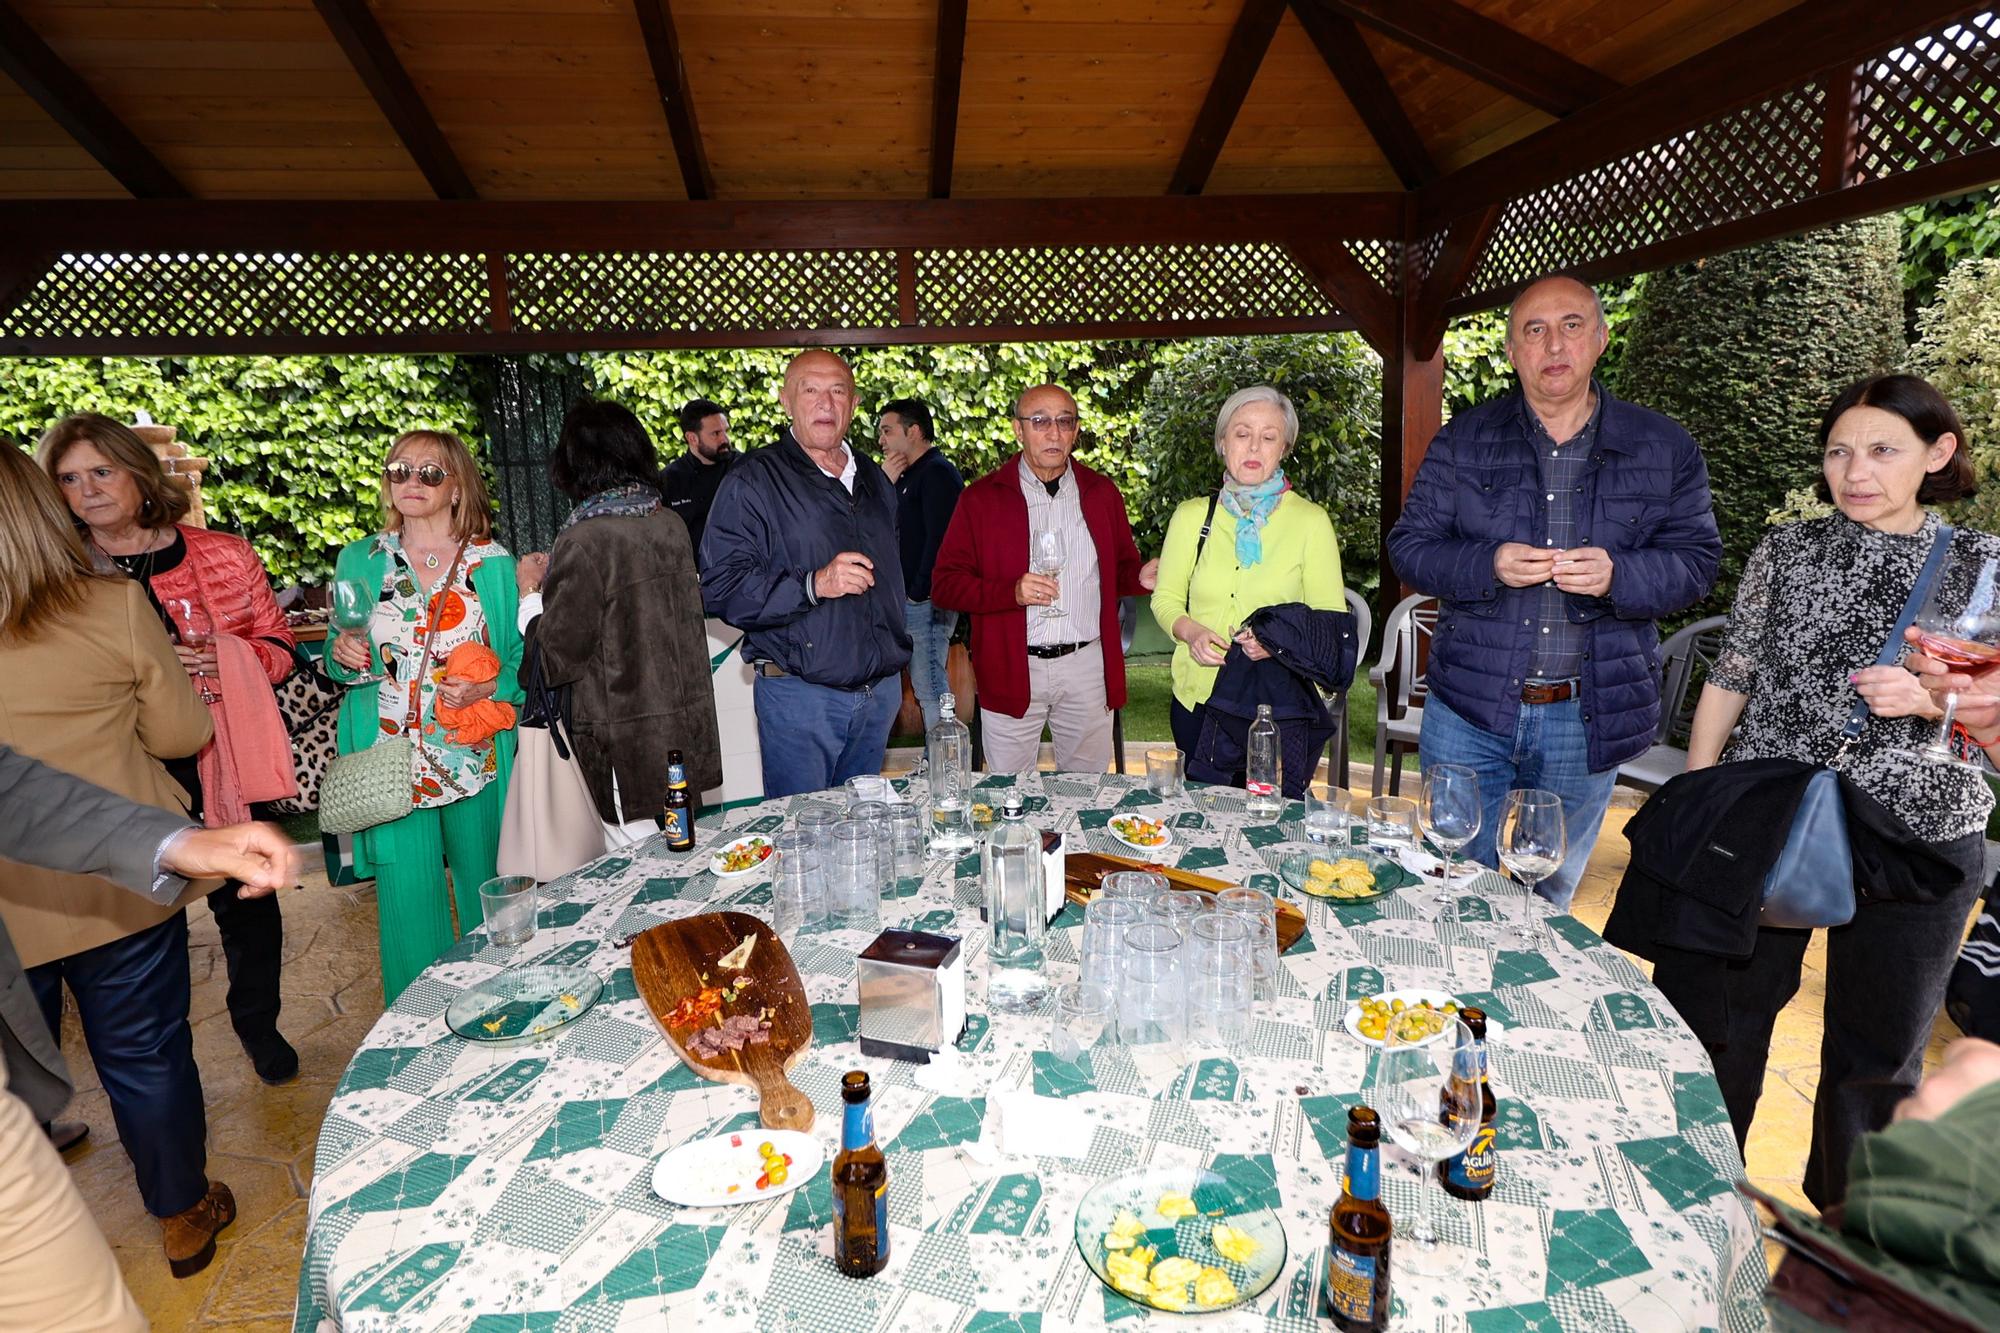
(190, 1235)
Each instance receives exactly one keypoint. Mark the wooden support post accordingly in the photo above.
(1412, 413)
(498, 301)
(1841, 109)
(906, 288)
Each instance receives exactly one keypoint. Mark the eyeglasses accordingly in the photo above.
(430, 474)
(1065, 423)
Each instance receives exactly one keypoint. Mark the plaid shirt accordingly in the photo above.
(1559, 642)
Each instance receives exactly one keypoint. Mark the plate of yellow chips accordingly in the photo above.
(1182, 1239)
(1343, 875)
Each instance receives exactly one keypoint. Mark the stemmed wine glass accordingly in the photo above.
(1448, 808)
(1532, 842)
(1961, 638)
(1427, 1092)
(1045, 556)
(197, 631)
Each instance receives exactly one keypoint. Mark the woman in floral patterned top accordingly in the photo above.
(440, 576)
(1817, 601)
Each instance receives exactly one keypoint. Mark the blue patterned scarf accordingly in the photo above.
(1251, 505)
(632, 499)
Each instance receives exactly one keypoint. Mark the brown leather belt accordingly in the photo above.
(1547, 691)
(768, 669)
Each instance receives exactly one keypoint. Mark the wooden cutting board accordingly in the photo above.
(669, 963)
(1084, 871)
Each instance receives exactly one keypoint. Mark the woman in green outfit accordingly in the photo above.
(1264, 544)
(438, 577)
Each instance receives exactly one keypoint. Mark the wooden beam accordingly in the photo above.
(1456, 260)
(1351, 287)
(60, 91)
(368, 51)
(1367, 88)
(90, 226)
(498, 298)
(947, 72)
(21, 267)
(1839, 111)
(663, 49)
(1490, 52)
(1255, 26)
(1777, 54)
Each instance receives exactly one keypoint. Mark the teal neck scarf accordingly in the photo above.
(1251, 506)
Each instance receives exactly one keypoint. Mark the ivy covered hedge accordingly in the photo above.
(1958, 350)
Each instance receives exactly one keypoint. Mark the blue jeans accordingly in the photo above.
(133, 996)
(1549, 750)
(814, 736)
(930, 644)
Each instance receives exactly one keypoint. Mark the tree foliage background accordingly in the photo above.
(1958, 350)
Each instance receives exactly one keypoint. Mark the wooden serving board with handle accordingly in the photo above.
(669, 964)
(1084, 871)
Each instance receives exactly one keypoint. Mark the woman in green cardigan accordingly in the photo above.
(436, 573)
(1266, 544)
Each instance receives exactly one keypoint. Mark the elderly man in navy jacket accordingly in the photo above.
(1555, 525)
(800, 551)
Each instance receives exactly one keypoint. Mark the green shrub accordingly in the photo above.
(1746, 350)
(1958, 350)
(1334, 381)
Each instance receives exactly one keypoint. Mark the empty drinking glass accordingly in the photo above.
(875, 814)
(1326, 813)
(1448, 809)
(1105, 922)
(906, 840)
(1177, 907)
(1152, 994)
(1221, 987)
(1532, 844)
(1261, 909)
(818, 821)
(1083, 1019)
(796, 898)
(854, 880)
(1165, 769)
(807, 853)
(509, 907)
(1140, 884)
(867, 787)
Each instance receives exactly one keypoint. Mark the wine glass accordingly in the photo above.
(1962, 637)
(1448, 809)
(1427, 1092)
(353, 605)
(197, 631)
(1045, 556)
(1532, 843)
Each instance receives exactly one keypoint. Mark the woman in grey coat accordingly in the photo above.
(614, 610)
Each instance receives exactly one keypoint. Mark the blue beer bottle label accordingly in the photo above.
(1350, 1278)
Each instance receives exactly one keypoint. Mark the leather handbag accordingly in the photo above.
(1811, 884)
(551, 825)
(369, 787)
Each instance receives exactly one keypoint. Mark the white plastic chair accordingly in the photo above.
(1685, 660)
(1405, 659)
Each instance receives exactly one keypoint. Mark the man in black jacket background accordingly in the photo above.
(927, 487)
(690, 482)
(800, 553)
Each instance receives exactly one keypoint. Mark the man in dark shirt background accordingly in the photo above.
(927, 487)
(689, 482)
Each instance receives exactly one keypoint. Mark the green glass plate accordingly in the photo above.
(522, 1002)
(1216, 1198)
(1389, 875)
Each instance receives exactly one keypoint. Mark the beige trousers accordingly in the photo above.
(56, 1271)
(1067, 693)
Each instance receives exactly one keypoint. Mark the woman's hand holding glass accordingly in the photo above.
(350, 649)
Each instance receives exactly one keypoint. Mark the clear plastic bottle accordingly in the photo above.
(949, 761)
(1264, 778)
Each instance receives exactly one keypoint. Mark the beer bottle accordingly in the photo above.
(860, 1186)
(1470, 1174)
(1356, 1295)
(678, 821)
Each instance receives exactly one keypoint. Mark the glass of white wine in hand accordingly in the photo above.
(1045, 557)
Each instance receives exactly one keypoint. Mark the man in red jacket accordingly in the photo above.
(1045, 646)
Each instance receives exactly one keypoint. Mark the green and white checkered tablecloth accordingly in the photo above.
(475, 1189)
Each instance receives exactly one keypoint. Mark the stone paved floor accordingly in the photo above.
(261, 1139)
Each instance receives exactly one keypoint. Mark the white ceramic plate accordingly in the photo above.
(723, 1169)
(1436, 998)
(1145, 848)
(715, 857)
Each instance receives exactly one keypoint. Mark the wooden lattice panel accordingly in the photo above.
(725, 291)
(1936, 99)
(1424, 256)
(1012, 287)
(1750, 161)
(253, 296)
(1379, 259)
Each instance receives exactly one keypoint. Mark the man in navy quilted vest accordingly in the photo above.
(1554, 525)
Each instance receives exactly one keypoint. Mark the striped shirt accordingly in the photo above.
(1557, 653)
(1078, 596)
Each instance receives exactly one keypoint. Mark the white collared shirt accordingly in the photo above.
(846, 474)
(1077, 593)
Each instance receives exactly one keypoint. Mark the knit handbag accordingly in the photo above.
(372, 786)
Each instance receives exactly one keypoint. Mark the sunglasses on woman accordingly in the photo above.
(430, 474)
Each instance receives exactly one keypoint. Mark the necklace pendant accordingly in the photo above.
(431, 561)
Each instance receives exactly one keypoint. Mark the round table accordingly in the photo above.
(471, 1187)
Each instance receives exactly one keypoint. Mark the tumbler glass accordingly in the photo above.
(818, 821)
(875, 814)
(797, 901)
(1262, 911)
(1140, 884)
(1177, 907)
(854, 877)
(906, 840)
(867, 787)
(809, 852)
(508, 905)
(1392, 824)
(1326, 813)
(1221, 985)
(1166, 771)
(1152, 994)
(1105, 922)
(1083, 1019)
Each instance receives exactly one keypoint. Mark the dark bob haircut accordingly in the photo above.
(697, 410)
(1928, 414)
(602, 446)
(912, 412)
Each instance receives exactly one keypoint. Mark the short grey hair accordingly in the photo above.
(1596, 301)
(1256, 393)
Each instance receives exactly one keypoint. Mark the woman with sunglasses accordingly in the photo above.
(440, 581)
